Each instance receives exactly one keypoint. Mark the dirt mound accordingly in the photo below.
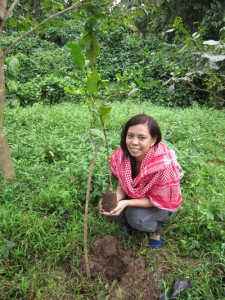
(109, 260)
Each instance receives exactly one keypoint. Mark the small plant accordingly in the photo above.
(92, 82)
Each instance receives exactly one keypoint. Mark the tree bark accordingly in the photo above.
(6, 164)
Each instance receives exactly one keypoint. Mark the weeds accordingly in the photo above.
(41, 220)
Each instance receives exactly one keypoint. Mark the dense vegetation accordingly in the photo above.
(42, 213)
(163, 58)
(174, 64)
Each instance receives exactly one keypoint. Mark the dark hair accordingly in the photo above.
(153, 129)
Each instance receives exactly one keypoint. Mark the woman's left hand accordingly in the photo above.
(117, 210)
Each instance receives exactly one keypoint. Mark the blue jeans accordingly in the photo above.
(143, 219)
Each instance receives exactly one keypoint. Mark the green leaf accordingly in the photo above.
(68, 90)
(184, 31)
(176, 72)
(91, 22)
(154, 82)
(96, 47)
(119, 77)
(177, 21)
(80, 91)
(85, 40)
(14, 63)
(51, 153)
(78, 56)
(92, 81)
(104, 111)
(93, 49)
(51, 5)
(139, 82)
(65, 74)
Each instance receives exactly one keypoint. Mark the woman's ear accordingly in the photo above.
(153, 143)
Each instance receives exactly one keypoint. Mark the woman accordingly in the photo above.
(148, 177)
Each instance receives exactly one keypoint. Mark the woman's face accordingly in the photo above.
(138, 141)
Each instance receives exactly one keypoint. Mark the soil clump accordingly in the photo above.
(109, 200)
(121, 270)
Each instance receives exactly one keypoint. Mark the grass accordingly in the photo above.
(41, 220)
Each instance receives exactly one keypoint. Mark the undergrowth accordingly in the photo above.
(41, 220)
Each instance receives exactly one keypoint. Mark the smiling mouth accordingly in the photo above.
(134, 149)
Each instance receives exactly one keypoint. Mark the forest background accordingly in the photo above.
(165, 58)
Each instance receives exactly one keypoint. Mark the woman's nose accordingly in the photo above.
(135, 141)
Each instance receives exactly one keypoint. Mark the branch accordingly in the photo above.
(40, 24)
(10, 10)
(107, 151)
(195, 88)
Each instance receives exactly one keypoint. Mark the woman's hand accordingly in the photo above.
(117, 210)
(101, 210)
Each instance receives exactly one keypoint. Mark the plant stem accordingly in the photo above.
(86, 260)
(107, 149)
(107, 155)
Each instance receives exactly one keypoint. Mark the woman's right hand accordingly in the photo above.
(117, 210)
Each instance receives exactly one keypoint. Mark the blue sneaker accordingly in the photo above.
(125, 232)
(154, 244)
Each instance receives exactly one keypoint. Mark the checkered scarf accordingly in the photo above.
(158, 179)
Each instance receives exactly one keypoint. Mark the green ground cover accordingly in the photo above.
(41, 220)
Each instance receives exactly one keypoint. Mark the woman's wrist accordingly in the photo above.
(123, 203)
(120, 198)
(120, 195)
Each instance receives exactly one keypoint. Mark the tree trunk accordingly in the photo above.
(6, 164)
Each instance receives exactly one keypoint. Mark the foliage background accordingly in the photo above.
(173, 62)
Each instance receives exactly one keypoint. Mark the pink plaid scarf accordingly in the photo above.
(158, 179)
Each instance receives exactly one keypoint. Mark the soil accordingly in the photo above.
(109, 200)
(109, 261)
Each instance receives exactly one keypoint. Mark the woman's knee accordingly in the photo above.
(141, 220)
(131, 215)
(135, 219)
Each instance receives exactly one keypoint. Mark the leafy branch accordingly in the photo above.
(198, 57)
(91, 78)
(59, 13)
